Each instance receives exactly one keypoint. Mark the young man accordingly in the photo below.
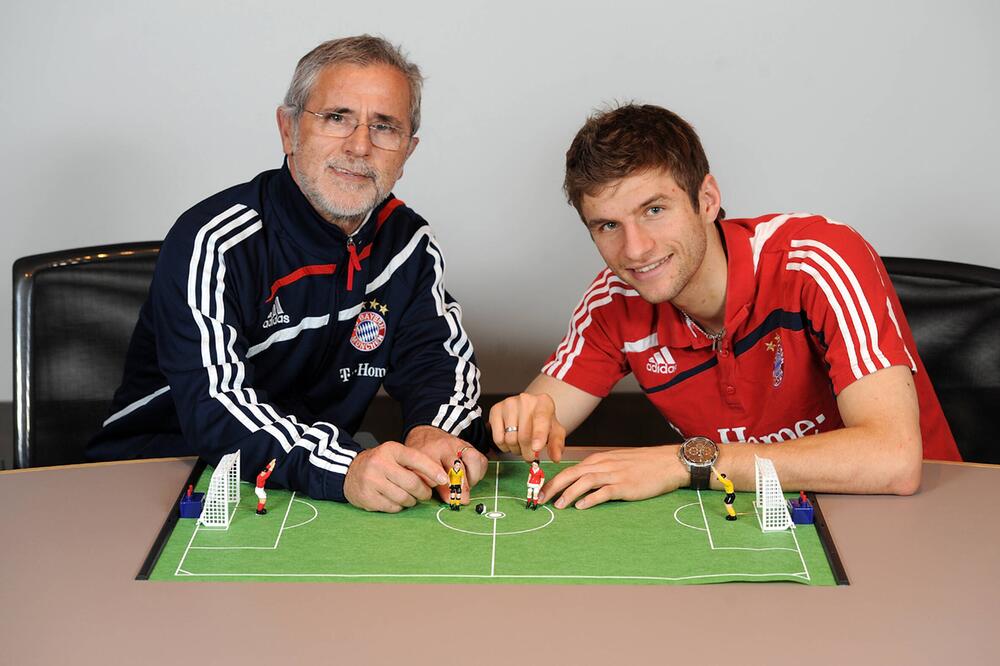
(280, 306)
(778, 335)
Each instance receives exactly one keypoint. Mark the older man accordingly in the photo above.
(280, 306)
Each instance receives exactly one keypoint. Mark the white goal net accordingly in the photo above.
(223, 493)
(772, 509)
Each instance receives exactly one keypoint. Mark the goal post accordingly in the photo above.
(223, 494)
(772, 509)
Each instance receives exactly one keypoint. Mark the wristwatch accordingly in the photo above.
(699, 454)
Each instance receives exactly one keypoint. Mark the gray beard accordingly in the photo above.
(347, 218)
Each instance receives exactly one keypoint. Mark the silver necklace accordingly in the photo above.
(716, 338)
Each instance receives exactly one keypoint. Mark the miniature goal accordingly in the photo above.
(772, 509)
(223, 491)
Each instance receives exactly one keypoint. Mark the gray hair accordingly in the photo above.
(362, 50)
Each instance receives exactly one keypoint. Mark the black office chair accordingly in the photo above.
(954, 312)
(74, 312)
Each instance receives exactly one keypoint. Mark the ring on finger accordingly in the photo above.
(510, 429)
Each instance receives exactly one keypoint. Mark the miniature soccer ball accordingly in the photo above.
(480, 508)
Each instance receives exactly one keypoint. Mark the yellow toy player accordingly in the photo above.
(455, 476)
(730, 489)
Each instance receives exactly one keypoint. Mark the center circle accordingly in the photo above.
(513, 520)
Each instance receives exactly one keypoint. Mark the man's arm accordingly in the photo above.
(877, 451)
(547, 411)
(203, 354)
(433, 372)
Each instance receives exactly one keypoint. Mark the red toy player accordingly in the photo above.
(536, 477)
(259, 490)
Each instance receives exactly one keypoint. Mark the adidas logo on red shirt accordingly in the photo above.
(661, 362)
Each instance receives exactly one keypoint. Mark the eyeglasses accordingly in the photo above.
(382, 135)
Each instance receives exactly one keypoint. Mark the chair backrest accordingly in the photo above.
(954, 312)
(74, 312)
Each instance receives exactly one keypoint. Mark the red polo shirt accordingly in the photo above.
(809, 310)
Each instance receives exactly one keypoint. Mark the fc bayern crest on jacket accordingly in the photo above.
(369, 329)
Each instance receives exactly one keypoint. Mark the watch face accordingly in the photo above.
(700, 451)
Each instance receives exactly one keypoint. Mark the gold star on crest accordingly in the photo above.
(383, 309)
(770, 346)
(374, 304)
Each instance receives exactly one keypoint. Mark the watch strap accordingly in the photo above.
(699, 477)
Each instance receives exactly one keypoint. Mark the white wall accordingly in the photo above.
(117, 116)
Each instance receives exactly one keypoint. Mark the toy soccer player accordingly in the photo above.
(455, 476)
(259, 490)
(730, 489)
(536, 477)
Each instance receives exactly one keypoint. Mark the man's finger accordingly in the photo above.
(496, 424)
(420, 463)
(525, 422)
(392, 487)
(475, 466)
(557, 442)
(599, 496)
(408, 482)
(584, 484)
(541, 428)
(560, 481)
(510, 420)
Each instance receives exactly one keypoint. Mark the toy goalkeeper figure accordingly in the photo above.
(536, 477)
(730, 489)
(455, 476)
(259, 490)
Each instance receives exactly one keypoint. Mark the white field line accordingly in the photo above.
(274, 546)
(314, 516)
(801, 557)
(284, 520)
(714, 547)
(496, 506)
(184, 556)
(805, 569)
(510, 576)
(707, 531)
(681, 522)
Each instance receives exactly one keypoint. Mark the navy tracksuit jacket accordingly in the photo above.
(269, 330)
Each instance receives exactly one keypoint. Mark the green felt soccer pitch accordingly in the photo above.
(678, 538)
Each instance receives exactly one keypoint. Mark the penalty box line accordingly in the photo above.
(180, 565)
(797, 549)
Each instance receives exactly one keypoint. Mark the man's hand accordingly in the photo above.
(622, 474)
(525, 424)
(391, 477)
(444, 448)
